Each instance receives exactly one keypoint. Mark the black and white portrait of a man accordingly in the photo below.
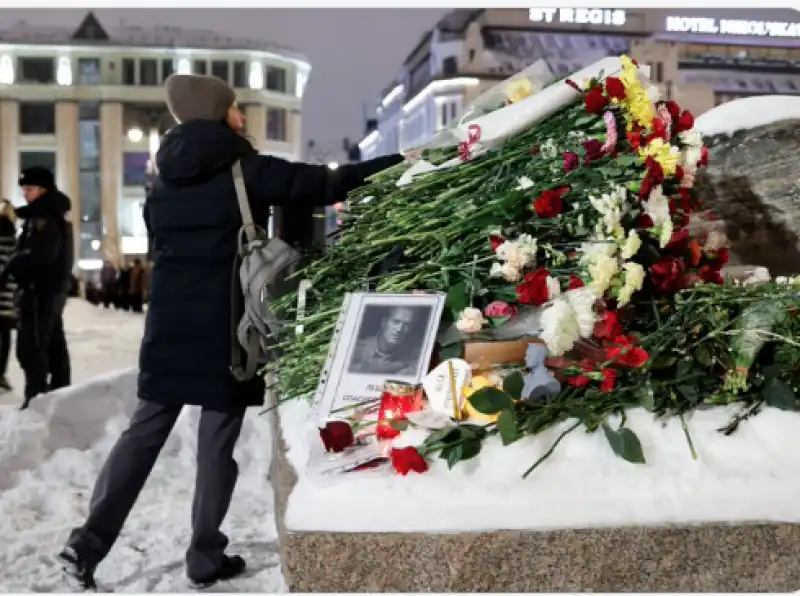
(390, 340)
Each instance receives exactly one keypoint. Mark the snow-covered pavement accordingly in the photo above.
(50, 456)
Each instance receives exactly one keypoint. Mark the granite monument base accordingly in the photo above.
(703, 558)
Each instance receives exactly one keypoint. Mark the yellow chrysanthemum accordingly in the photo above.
(665, 154)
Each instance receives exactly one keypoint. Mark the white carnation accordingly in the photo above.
(634, 279)
(657, 206)
(666, 233)
(602, 270)
(524, 183)
(567, 319)
(470, 320)
(632, 245)
(553, 288)
(505, 270)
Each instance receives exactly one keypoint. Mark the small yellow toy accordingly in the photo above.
(477, 382)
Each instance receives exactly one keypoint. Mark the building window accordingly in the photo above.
(37, 118)
(276, 124)
(148, 72)
(200, 67)
(128, 71)
(240, 74)
(450, 66)
(659, 72)
(134, 166)
(219, 69)
(167, 68)
(276, 79)
(36, 70)
(89, 71)
(40, 159)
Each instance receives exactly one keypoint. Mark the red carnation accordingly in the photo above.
(336, 436)
(549, 203)
(579, 381)
(644, 221)
(667, 274)
(609, 379)
(679, 240)
(535, 150)
(496, 241)
(635, 139)
(533, 288)
(575, 282)
(594, 150)
(571, 161)
(659, 131)
(608, 327)
(685, 122)
(710, 275)
(673, 109)
(572, 84)
(615, 88)
(625, 352)
(703, 157)
(595, 100)
(408, 459)
(720, 257)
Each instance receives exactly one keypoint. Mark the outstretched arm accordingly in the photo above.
(283, 183)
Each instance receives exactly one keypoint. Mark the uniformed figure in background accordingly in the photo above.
(8, 305)
(42, 268)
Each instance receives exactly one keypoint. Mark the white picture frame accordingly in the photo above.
(378, 337)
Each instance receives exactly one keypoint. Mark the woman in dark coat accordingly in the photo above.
(193, 220)
(8, 308)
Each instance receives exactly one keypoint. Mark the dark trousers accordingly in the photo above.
(136, 301)
(128, 466)
(5, 345)
(41, 344)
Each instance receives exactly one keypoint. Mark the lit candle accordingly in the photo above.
(397, 400)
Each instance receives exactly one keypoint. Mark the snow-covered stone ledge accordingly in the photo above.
(585, 520)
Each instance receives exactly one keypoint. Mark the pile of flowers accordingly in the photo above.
(585, 216)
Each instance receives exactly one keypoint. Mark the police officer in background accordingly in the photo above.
(42, 268)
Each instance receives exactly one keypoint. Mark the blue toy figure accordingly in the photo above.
(539, 383)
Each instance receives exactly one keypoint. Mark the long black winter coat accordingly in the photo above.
(193, 220)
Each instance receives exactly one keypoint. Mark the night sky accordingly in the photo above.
(353, 52)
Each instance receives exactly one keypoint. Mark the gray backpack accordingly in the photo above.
(262, 263)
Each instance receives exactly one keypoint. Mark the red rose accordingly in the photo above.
(496, 241)
(615, 88)
(710, 275)
(594, 150)
(535, 150)
(572, 84)
(608, 327)
(679, 240)
(408, 459)
(654, 177)
(575, 282)
(609, 379)
(533, 288)
(595, 100)
(719, 257)
(703, 157)
(571, 161)
(549, 203)
(579, 381)
(673, 109)
(659, 131)
(336, 436)
(625, 352)
(685, 122)
(666, 274)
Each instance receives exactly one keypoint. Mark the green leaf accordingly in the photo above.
(444, 435)
(490, 400)
(507, 426)
(662, 361)
(400, 425)
(472, 431)
(646, 399)
(457, 298)
(506, 293)
(625, 444)
(451, 351)
(779, 394)
(513, 385)
(688, 391)
(625, 160)
(684, 366)
(583, 120)
(461, 452)
(703, 355)
(498, 321)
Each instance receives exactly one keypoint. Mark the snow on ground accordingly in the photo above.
(747, 477)
(51, 454)
(746, 113)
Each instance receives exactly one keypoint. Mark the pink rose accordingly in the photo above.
(498, 308)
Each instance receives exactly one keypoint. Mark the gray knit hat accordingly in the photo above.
(198, 97)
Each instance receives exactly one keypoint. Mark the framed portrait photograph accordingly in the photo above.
(378, 337)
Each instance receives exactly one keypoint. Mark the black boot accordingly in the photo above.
(232, 567)
(76, 571)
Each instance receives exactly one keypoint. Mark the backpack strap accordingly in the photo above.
(242, 371)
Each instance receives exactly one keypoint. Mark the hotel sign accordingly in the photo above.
(581, 16)
(732, 27)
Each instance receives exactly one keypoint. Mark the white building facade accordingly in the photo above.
(88, 103)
